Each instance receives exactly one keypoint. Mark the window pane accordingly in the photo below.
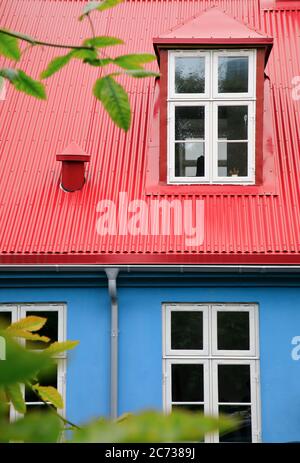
(45, 378)
(232, 159)
(187, 383)
(190, 75)
(233, 330)
(5, 320)
(186, 330)
(50, 329)
(38, 408)
(189, 159)
(233, 74)
(189, 122)
(243, 414)
(233, 122)
(234, 383)
(189, 407)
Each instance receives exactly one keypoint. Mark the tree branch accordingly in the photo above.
(46, 44)
(51, 407)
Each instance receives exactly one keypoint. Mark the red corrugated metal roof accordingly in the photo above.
(41, 223)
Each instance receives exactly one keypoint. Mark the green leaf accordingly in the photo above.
(25, 83)
(30, 323)
(102, 41)
(55, 65)
(105, 4)
(9, 47)
(114, 99)
(85, 54)
(98, 62)
(20, 364)
(142, 73)
(8, 73)
(60, 347)
(150, 426)
(27, 335)
(15, 395)
(49, 394)
(100, 6)
(33, 428)
(134, 61)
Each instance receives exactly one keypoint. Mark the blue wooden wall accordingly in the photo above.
(140, 370)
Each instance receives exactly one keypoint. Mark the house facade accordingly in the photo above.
(171, 252)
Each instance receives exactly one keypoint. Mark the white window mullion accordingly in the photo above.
(212, 358)
(211, 98)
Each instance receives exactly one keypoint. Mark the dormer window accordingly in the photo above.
(211, 116)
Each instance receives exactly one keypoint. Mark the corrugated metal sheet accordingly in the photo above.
(41, 223)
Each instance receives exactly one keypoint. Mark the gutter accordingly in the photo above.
(112, 274)
(201, 268)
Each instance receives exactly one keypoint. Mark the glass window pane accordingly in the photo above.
(233, 122)
(190, 75)
(189, 407)
(234, 383)
(233, 330)
(50, 329)
(45, 378)
(189, 122)
(5, 320)
(186, 330)
(189, 159)
(38, 408)
(187, 383)
(243, 414)
(232, 159)
(233, 74)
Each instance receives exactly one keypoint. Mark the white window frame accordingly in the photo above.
(206, 140)
(189, 308)
(18, 311)
(211, 99)
(251, 54)
(253, 328)
(211, 357)
(188, 54)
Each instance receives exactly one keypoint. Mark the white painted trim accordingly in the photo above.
(169, 308)
(172, 55)
(212, 358)
(211, 99)
(18, 312)
(251, 54)
(253, 328)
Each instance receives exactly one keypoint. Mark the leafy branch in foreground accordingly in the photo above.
(91, 52)
(23, 367)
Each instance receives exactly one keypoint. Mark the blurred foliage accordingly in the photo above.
(91, 52)
(23, 367)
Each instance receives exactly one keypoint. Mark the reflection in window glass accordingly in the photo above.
(233, 330)
(187, 383)
(189, 159)
(189, 122)
(189, 75)
(232, 159)
(233, 74)
(234, 383)
(187, 330)
(243, 415)
(233, 122)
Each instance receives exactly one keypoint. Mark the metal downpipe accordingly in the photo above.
(112, 274)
